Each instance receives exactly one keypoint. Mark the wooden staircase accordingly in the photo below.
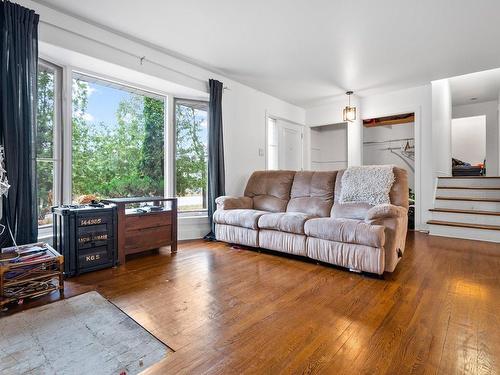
(467, 207)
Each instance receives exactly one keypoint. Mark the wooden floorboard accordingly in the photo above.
(229, 311)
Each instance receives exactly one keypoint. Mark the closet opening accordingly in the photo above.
(391, 140)
(329, 147)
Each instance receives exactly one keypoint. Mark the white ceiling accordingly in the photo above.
(476, 87)
(308, 51)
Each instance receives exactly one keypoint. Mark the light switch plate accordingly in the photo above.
(261, 152)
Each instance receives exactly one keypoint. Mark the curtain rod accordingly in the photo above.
(141, 59)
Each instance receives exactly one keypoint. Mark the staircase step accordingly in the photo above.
(464, 225)
(455, 192)
(466, 177)
(464, 230)
(470, 182)
(467, 207)
(459, 211)
(474, 204)
(469, 187)
(473, 199)
(466, 216)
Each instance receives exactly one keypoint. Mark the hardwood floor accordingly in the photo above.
(240, 311)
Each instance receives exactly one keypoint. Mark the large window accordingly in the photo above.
(191, 154)
(117, 140)
(47, 140)
(112, 137)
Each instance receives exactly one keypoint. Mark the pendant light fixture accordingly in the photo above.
(349, 112)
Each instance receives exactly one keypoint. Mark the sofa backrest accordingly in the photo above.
(312, 193)
(398, 197)
(270, 190)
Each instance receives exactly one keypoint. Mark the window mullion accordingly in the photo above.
(57, 149)
(66, 135)
(170, 147)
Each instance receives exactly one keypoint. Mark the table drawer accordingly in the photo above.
(147, 238)
(149, 220)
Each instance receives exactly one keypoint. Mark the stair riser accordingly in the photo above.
(468, 193)
(467, 233)
(466, 218)
(469, 182)
(468, 205)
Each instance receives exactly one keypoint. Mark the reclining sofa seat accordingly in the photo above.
(300, 213)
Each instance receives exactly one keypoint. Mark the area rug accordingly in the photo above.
(85, 334)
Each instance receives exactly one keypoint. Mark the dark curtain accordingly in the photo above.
(216, 179)
(18, 101)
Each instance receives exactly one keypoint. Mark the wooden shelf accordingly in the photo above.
(36, 270)
(49, 275)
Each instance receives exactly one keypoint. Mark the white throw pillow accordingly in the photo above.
(369, 184)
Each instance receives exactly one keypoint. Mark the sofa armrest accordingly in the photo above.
(385, 211)
(230, 203)
(395, 221)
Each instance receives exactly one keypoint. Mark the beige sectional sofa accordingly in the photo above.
(301, 213)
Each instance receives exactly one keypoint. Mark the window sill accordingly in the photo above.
(192, 214)
(45, 233)
(192, 217)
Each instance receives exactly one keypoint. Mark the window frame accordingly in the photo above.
(188, 213)
(57, 131)
(119, 85)
(269, 162)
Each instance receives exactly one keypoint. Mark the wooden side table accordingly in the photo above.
(24, 278)
(140, 231)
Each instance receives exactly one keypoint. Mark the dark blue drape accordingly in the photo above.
(216, 176)
(18, 101)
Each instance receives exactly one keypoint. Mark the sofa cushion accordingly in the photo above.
(245, 218)
(270, 190)
(312, 193)
(346, 230)
(291, 222)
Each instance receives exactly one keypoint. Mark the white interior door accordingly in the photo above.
(290, 148)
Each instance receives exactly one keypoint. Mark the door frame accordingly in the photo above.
(266, 129)
(418, 183)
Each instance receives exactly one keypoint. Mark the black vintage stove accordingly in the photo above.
(86, 236)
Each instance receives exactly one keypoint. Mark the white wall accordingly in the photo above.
(244, 108)
(468, 139)
(441, 127)
(490, 110)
